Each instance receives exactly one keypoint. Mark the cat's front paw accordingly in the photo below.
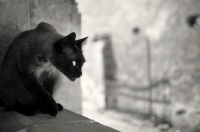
(51, 108)
(60, 107)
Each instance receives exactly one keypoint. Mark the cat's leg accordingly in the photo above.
(49, 84)
(60, 107)
(41, 94)
(15, 95)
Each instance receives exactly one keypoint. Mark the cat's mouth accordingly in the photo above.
(72, 79)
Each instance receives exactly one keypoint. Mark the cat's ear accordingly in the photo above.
(79, 43)
(65, 42)
(69, 39)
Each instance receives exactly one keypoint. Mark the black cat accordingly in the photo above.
(31, 67)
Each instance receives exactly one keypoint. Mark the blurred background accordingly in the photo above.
(143, 67)
(142, 70)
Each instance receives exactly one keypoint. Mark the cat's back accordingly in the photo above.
(44, 35)
(32, 43)
(45, 27)
(41, 39)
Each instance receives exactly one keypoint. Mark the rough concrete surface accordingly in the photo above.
(65, 121)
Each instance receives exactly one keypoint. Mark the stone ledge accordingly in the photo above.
(65, 121)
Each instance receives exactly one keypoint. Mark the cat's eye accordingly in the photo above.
(74, 63)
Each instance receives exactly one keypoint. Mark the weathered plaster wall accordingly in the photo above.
(62, 14)
(13, 19)
(175, 46)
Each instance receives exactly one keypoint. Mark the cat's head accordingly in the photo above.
(68, 57)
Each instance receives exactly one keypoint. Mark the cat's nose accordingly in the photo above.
(80, 74)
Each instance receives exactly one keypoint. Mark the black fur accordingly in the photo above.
(1, 103)
(20, 87)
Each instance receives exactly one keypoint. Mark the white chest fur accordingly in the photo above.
(46, 67)
(52, 71)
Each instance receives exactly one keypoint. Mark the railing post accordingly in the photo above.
(149, 76)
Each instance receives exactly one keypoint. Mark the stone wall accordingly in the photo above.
(64, 16)
(13, 19)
